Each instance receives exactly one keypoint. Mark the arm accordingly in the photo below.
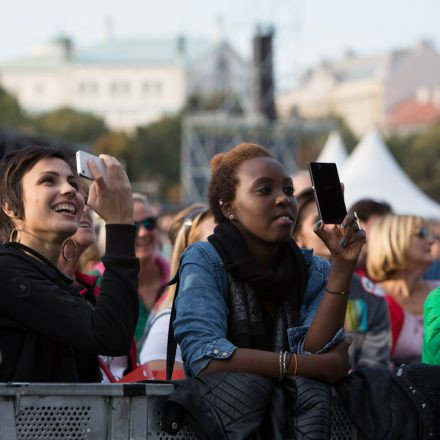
(431, 341)
(345, 244)
(201, 329)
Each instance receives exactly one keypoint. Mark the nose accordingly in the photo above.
(142, 230)
(282, 198)
(68, 190)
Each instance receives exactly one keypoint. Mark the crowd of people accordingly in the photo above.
(260, 284)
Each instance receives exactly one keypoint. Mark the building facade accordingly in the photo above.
(365, 90)
(126, 82)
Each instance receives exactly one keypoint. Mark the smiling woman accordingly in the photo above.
(45, 324)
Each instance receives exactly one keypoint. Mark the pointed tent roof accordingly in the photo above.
(334, 150)
(371, 171)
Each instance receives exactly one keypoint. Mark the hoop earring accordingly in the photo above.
(11, 235)
(231, 217)
(63, 246)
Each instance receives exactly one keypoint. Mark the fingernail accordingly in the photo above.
(343, 242)
(318, 224)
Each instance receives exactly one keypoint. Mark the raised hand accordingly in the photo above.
(111, 196)
(344, 241)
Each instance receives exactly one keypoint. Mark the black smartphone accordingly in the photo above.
(328, 192)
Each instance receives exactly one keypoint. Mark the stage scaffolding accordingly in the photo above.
(205, 135)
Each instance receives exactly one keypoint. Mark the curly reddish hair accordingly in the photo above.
(223, 182)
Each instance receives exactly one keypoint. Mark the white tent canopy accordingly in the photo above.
(334, 150)
(371, 171)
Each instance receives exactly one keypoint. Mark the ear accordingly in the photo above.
(8, 211)
(12, 214)
(226, 208)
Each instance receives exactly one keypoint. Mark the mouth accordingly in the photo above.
(84, 224)
(65, 208)
(284, 219)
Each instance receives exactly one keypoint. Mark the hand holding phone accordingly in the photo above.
(82, 157)
(328, 192)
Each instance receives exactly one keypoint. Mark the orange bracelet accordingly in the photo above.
(295, 356)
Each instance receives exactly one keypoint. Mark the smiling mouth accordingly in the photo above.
(65, 208)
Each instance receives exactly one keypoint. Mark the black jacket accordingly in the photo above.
(44, 320)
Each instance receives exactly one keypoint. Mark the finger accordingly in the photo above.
(94, 170)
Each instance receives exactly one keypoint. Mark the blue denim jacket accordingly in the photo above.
(200, 327)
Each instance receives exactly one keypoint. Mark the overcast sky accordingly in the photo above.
(306, 30)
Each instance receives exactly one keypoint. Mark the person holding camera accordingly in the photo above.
(45, 323)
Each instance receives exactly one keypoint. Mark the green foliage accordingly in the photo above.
(419, 155)
(157, 152)
(11, 115)
(226, 101)
(70, 125)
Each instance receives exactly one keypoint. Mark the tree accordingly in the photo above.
(418, 155)
(120, 145)
(11, 115)
(70, 125)
(158, 154)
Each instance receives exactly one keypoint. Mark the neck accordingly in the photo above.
(404, 282)
(48, 249)
(148, 268)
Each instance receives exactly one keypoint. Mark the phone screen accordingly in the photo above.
(328, 192)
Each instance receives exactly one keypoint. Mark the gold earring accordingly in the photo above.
(11, 235)
(63, 246)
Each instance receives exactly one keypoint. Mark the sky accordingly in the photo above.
(306, 31)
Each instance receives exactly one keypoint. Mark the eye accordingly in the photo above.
(47, 180)
(289, 190)
(264, 190)
(74, 184)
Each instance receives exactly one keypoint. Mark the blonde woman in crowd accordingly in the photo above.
(196, 224)
(399, 252)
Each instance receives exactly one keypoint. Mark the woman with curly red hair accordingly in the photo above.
(249, 299)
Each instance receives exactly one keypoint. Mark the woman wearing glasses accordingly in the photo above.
(399, 252)
(154, 269)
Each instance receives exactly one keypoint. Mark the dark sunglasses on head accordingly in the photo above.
(148, 223)
(423, 232)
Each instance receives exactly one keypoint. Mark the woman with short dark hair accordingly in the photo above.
(45, 324)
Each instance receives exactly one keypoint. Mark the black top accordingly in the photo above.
(44, 320)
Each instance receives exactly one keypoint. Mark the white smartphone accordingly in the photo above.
(83, 169)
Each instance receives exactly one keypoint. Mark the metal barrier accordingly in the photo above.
(102, 412)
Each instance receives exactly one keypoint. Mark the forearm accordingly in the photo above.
(266, 363)
(331, 313)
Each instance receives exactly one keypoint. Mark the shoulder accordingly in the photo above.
(317, 273)
(361, 285)
(317, 267)
(202, 251)
(433, 299)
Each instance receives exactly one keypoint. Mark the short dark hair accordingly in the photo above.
(13, 166)
(223, 182)
(304, 198)
(366, 208)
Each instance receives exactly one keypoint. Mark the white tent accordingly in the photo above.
(334, 150)
(371, 171)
